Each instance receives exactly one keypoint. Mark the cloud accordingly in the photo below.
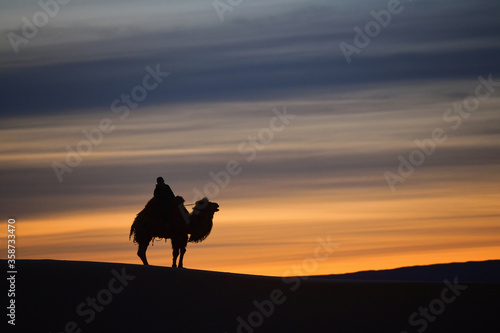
(279, 53)
(339, 142)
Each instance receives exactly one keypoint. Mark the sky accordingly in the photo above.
(367, 131)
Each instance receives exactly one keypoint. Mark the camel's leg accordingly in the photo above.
(175, 254)
(177, 246)
(141, 252)
(183, 250)
(183, 241)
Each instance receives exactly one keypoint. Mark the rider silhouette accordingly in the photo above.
(164, 197)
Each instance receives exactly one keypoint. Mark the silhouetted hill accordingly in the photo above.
(65, 296)
(474, 271)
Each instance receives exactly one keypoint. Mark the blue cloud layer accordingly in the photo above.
(254, 54)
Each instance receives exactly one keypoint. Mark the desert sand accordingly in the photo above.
(68, 296)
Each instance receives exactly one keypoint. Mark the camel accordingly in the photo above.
(148, 225)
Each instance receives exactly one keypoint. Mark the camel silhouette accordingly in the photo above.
(149, 225)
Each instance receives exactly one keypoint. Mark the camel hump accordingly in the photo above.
(178, 200)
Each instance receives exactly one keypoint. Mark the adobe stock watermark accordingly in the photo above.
(278, 296)
(372, 29)
(89, 307)
(121, 106)
(425, 315)
(224, 6)
(11, 271)
(248, 148)
(454, 116)
(30, 28)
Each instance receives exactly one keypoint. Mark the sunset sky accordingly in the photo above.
(390, 153)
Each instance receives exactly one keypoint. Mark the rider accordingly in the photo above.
(164, 197)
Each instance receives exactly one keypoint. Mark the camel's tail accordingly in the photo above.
(133, 231)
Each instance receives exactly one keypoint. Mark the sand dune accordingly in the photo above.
(65, 296)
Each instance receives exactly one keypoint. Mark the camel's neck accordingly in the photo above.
(198, 216)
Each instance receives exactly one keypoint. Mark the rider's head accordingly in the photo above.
(160, 180)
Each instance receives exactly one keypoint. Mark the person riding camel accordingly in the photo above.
(164, 197)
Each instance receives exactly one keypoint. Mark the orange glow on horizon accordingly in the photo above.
(366, 237)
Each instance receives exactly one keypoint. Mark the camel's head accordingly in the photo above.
(205, 204)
